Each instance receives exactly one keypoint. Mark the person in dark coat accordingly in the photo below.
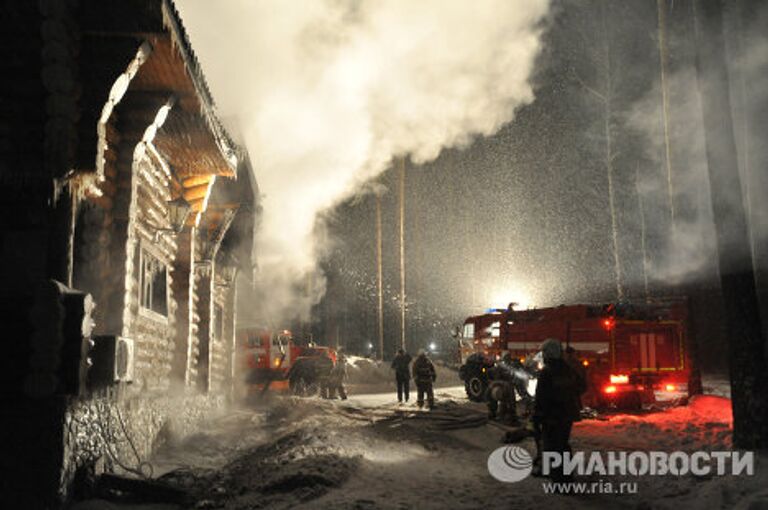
(557, 405)
(402, 367)
(424, 374)
(336, 378)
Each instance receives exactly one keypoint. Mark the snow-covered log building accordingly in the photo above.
(128, 213)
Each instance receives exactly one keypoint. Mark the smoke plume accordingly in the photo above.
(691, 245)
(327, 93)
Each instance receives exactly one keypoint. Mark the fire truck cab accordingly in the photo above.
(628, 351)
(265, 355)
(273, 359)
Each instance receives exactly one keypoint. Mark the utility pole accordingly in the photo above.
(643, 246)
(747, 349)
(661, 6)
(605, 96)
(401, 163)
(609, 152)
(379, 277)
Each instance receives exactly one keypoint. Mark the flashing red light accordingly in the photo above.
(610, 389)
(619, 379)
(609, 324)
(670, 387)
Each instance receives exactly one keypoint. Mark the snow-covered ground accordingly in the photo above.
(371, 452)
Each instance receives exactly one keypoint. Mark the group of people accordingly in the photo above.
(424, 374)
(334, 382)
(555, 407)
(331, 376)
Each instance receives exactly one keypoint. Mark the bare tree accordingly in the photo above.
(748, 366)
(603, 93)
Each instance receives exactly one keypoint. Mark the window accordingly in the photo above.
(469, 331)
(153, 284)
(284, 341)
(218, 324)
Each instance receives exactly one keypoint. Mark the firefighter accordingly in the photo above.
(336, 379)
(323, 367)
(557, 403)
(401, 365)
(424, 374)
(500, 395)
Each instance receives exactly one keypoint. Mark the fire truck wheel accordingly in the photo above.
(476, 388)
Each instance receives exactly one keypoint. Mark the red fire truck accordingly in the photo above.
(629, 351)
(268, 357)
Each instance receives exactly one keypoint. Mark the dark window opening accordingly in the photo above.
(154, 284)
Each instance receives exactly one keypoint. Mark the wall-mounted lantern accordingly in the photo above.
(178, 212)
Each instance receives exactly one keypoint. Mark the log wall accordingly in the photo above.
(154, 334)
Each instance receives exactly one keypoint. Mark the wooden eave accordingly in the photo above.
(192, 139)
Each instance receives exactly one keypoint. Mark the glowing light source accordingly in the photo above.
(619, 379)
(609, 324)
(670, 387)
(585, 363)
(501, 299)
(609, 389)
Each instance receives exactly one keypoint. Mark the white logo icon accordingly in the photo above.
(510, 464)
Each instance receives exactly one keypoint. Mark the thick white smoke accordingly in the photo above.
(326, 93)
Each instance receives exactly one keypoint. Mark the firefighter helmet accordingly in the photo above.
(551, 349)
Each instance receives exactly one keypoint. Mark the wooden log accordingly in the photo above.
(110, 169)
(108, 187)
(196, 192)
(196, 180)
(103, 201)
(113, 135)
